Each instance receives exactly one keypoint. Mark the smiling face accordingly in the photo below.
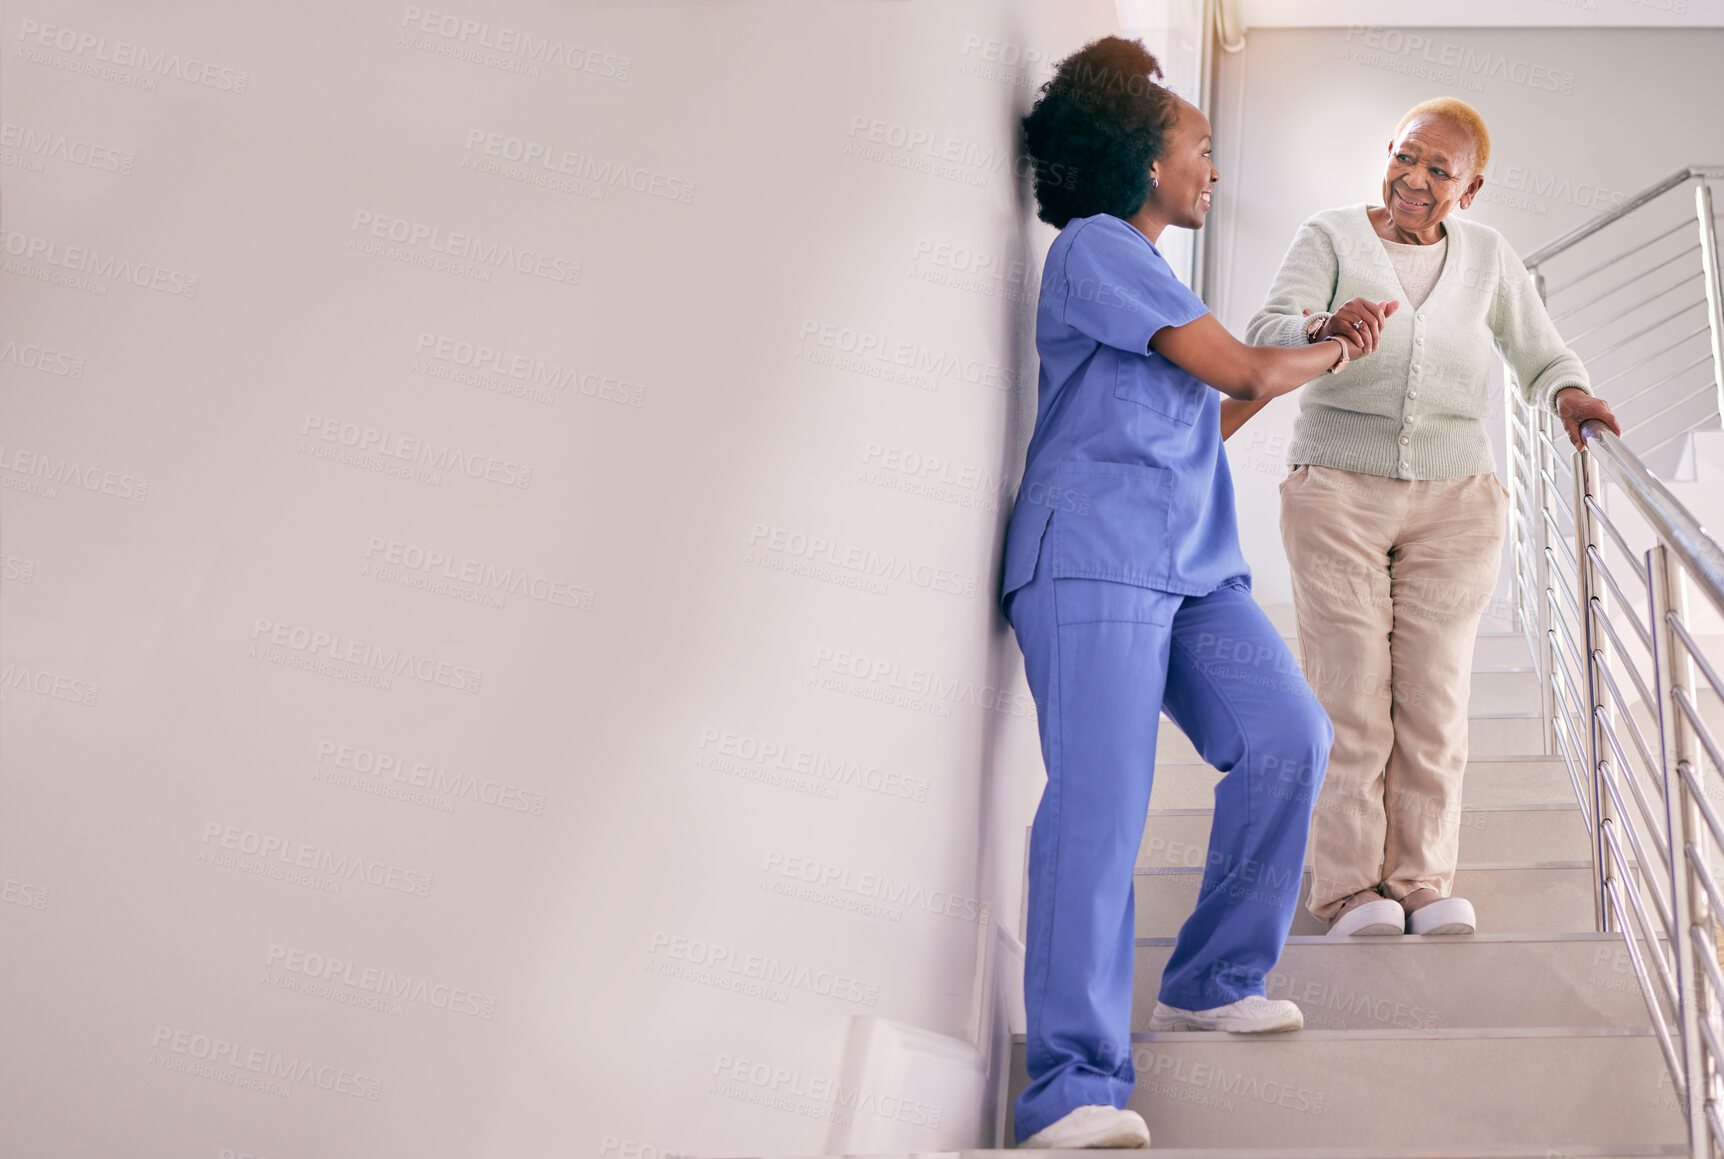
(1184, 177)
(1431, 171)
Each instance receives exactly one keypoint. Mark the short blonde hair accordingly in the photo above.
(1460, 114)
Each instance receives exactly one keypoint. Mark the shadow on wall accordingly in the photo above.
(964, 1081)
(999, 998)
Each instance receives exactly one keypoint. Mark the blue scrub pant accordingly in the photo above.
(1103, 659)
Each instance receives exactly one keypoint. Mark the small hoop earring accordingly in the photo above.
(1154, 184)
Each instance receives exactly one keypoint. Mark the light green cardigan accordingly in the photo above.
(1415, 408)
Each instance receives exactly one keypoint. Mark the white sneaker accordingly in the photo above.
(1253, 1014)
(1449, 915)
(1092, 1126)
(1373, 919)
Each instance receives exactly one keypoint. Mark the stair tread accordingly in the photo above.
(1597, 1086)
(1433, 939)
(1535, 807)
(1569, 1151)
(1553, 896)
(1478, 758)
(1483, 865)
(1522, 714)
(1440, 1034)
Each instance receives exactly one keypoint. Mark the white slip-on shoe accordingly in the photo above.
(1097, 1125)
(1252, 1014)
(1449, 915)
(1373, 919)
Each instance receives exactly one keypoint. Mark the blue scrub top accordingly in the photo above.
(1125, 471)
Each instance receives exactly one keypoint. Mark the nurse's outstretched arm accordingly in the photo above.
(1235, 413)
(1205, 350)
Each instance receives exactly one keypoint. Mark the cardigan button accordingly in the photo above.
(1405, 440)
(1405, 466)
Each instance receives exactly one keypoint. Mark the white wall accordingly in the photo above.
(202, 582)
(1303, 119)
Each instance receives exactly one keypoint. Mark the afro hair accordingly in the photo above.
(1094, 129)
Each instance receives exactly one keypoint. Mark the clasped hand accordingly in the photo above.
(1359, 322)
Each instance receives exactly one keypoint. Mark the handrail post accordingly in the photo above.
(1689, 904)
(1587, 536)
(1536, 459)
(1714, 286)
(1541, 462)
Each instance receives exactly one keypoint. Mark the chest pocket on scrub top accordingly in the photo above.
(1174, 395)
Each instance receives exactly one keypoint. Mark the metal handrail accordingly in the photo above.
(1581, 232)
(1653, 852)
(1637, 312)
(1671, 521)
(1663, 901)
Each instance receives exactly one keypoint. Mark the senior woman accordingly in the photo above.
(1392, 513)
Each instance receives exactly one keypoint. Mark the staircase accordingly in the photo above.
(1530, 1038)
(1587, 1020)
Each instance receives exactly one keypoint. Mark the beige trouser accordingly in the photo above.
(1390, 579)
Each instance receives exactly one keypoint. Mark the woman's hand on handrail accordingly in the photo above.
(1574, 406)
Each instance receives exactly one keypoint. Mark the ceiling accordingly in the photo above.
(1482, 13)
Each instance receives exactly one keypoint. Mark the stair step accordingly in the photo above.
(1504, 690)
(1189, 782)
(1489, 833)
(1557, 1088)
(1490, 649)
(1572, 1151)
(1532, 898)
(1437, 983)
(1488, 734)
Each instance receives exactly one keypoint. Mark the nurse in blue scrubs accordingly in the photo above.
(1126, 587)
